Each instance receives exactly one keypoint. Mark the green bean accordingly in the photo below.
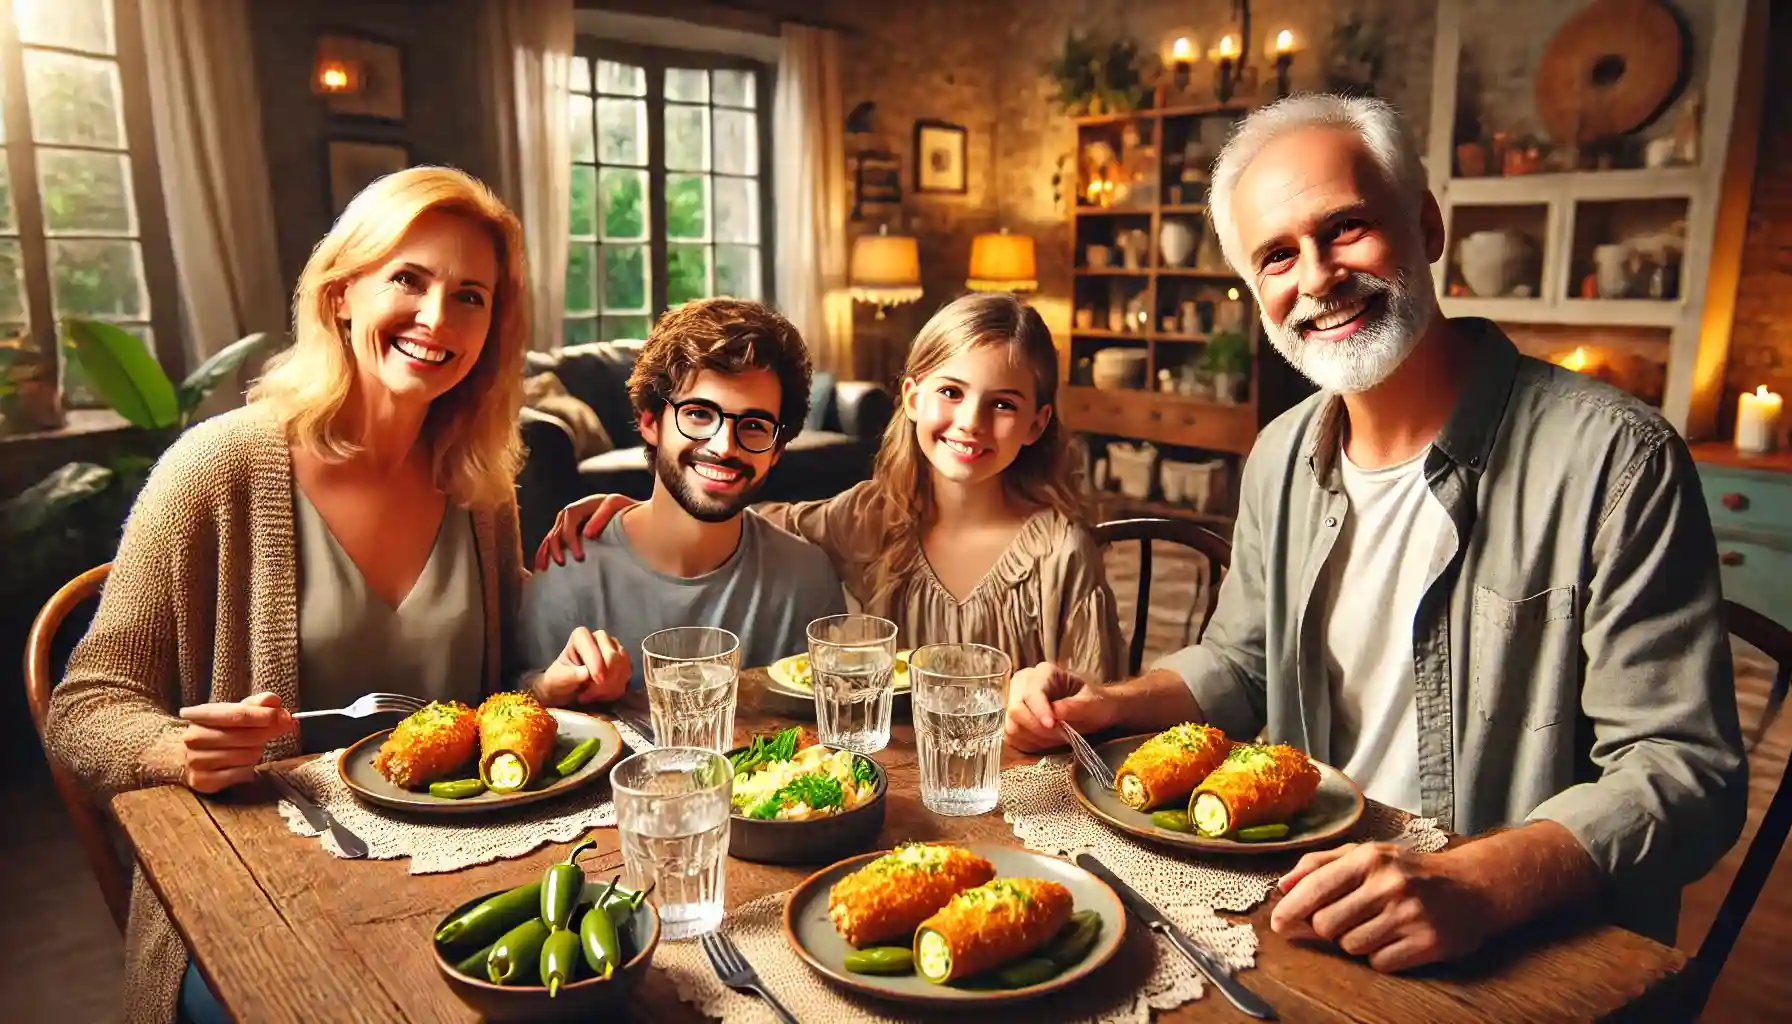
(1029, 971)
(1175, 821)
(881, 960)
(1257, 833)
(576, 759)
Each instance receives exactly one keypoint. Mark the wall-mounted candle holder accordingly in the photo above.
(1225, 58)
(1282, 49)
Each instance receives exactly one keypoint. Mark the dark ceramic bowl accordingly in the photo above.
(584, 999)
(816, 841)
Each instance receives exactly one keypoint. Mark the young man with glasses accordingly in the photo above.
(719, 390)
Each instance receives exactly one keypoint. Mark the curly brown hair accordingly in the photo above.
(729, 336)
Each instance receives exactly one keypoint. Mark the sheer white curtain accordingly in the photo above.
(207, 115)
(809, 186)
(528, 63)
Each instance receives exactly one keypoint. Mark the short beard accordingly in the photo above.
(1375, 351)
(703, 507)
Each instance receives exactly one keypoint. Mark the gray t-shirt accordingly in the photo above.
(767, 593)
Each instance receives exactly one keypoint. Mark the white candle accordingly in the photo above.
(1757, 421)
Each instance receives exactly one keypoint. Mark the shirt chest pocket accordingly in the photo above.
(1524, 657)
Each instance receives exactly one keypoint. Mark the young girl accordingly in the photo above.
(971, 528)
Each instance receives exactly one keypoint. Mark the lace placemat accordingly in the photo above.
(449, 844)
(1144, 975)
(1037, 802)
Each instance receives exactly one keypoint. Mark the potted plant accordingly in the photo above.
(1095, 76)
(1229, 360)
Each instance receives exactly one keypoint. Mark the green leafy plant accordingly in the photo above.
(1228, 352)
(1095, 76)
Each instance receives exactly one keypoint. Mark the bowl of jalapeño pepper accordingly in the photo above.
(562, 947)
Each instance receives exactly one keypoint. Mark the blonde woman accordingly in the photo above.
(971, 528)
(352, 528)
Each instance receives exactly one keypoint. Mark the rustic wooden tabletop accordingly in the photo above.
(286, 932)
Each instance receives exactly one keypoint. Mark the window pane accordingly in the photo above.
(735, 88)
(688, 85)
(737, 210)
(73, 99)
(12, 281)
(625, 278)
(94, 277)
(625, 328)
(584, 201)
(581, 278)
(73, 24)
(7, 221)
(86, 192)
(622, 131)
(737, 271)
(621, 79)
(687, 214)
(625, 203)
(584, 144)
(737, 142)
(580, 80)
(687, 138)
(687, 273)
(578, 332)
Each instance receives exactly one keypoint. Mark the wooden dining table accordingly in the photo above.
(284, 931)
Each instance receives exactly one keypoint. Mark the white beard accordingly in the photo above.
(1375, 351)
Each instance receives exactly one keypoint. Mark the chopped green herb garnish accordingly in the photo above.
(817, 789)
(862, 770)
(781, 747)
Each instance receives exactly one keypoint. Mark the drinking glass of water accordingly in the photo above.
(672, 816)
(960, 704)
(692, 673)
(851, 659)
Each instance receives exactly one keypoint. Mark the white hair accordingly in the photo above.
(1375, 123)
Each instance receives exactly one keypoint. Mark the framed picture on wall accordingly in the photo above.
(939, 157)
(353, 164)
(371, 73)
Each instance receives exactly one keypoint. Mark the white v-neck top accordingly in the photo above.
(351, 642)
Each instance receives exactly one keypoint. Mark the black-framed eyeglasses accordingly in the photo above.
(699, 419)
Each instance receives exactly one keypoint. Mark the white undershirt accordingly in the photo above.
(1374, 577)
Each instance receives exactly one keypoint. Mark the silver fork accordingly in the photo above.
(1087, 757)
(733, 971)
(371, 704)
(640, 724)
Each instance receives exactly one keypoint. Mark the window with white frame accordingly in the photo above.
(82, 227)
(671, 185)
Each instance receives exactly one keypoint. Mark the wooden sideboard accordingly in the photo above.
(1750, 501)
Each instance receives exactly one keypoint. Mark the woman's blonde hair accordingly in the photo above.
(1046, 473)
(476, 447)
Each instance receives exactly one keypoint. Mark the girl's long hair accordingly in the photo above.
(476, 445)
(1046, 474)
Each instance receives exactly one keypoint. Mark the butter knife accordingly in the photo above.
(317, 817)
(1247, 1001)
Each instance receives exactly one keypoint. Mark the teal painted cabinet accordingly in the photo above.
(1751, 513)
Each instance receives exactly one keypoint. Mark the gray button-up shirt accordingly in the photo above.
(1571, 661)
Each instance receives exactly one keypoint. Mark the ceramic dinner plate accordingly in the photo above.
(358, 773)
(1335, 810)
(788, 694)
(816, 942)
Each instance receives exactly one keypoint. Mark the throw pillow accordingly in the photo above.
(544, 392)
(821, 401)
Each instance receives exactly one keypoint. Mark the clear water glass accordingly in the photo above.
(672, 815)
(852, 660)
(960, 695)
(693, 674)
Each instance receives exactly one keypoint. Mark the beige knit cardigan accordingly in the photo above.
(202, 605)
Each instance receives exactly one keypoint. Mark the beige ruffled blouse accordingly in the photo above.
(1045, 599)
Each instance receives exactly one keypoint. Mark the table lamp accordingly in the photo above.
(886, 270)
(1002, 262)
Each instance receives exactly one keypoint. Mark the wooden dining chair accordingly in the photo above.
(1216, 548)
(1775, 641)
(40, 679)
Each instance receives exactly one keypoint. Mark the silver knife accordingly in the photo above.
(1247, 1001)
(317, 817)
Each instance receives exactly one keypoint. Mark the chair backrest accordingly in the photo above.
(90, 823)
(1175, 531)
(1775, 641)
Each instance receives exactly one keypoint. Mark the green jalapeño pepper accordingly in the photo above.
(456, 789)
(622, 908)
(486, 921)
(560, 959)
(576, 759)
(516, 956)
(598, 939)
(562, 886)
(474, 965)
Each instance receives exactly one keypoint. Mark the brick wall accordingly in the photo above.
(1761, 343)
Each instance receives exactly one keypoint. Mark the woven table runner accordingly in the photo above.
(449, 843)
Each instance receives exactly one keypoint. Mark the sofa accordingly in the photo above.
(574, 452)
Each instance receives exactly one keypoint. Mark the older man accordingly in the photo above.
(1483, 586)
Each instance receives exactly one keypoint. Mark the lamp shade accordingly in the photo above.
(1003, 263)
(886, 268)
